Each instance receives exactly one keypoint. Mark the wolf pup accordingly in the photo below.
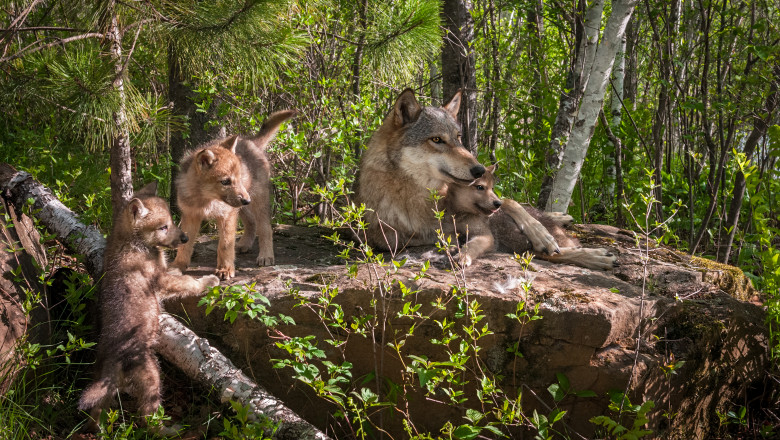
(490, 223)
(415, 150)
(227, 179)
(134, 282)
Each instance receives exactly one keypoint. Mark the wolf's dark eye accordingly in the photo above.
(437, 140)
(225, 182)
(164, 228)
(479, 187)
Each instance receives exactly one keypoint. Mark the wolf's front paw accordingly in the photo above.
(209, 281)
(541, 239)
(244, 246)
(226, 273)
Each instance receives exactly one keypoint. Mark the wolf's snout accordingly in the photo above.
(497, 203)
(183, 238)
(477, 171)
(244, 201)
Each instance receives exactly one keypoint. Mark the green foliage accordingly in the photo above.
(240, 427)
(620, 404)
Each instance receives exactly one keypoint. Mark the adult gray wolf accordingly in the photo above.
(416, 150)
(134, 282)
(224, 180)
(489, 223)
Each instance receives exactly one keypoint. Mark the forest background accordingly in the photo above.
(599, 109)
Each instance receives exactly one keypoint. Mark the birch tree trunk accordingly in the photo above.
(592, 101)
(615, 113)
(458, 66)
(585, 51)
(178, 344)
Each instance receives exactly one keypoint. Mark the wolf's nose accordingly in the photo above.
(497, 203)
(183, 237)
(477, 171)
(244, 201)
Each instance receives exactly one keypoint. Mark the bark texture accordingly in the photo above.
(592, 102)
(120, 158)
(199, 360)
(458, 66)
(587, 33)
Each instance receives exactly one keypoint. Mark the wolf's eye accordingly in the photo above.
(437, 140)
(164, 228)
(225, 182)
(479, 187)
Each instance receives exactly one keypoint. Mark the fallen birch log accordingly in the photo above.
(178, 344)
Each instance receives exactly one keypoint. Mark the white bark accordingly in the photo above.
(19, 187)
(616, 111)
(576, 81)
(199, 360)
(178, 344)
(592, 101)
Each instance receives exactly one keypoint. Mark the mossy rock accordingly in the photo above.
(729, 278)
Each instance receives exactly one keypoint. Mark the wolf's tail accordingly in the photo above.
(97, 392)
(271, 127)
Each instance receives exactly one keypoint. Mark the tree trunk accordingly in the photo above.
(183, 99)
(458, 66)
(592, 101)
(178, 344)
(760, 127)
(615, 113)
(120, 157)
(587, 37)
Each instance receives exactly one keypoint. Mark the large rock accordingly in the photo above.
(590, 327)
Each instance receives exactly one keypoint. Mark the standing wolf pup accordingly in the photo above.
(227, 179)
(491, 223)
(415, 150)
(134, 281)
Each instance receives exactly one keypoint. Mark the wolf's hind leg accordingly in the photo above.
(560, 219)
(590, 258)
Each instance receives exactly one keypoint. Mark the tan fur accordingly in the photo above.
(227, 179)
(415, 150)
(134, 282)
(478, 215)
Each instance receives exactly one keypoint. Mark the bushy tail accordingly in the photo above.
(271, 127)
(97, 392)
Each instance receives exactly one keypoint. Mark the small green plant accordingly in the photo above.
(240, 427)
(620, 404)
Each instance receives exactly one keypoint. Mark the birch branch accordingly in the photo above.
(204, 363)
(178, 344)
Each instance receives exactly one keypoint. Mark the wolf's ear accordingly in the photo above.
(453, 106)
(138, 209)
(492, 168)
(149, 190)
(205, 159)
(230, 143)
(407, 109)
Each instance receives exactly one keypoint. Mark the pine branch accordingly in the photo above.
(60, 41)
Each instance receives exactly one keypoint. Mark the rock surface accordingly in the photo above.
(588, 331)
